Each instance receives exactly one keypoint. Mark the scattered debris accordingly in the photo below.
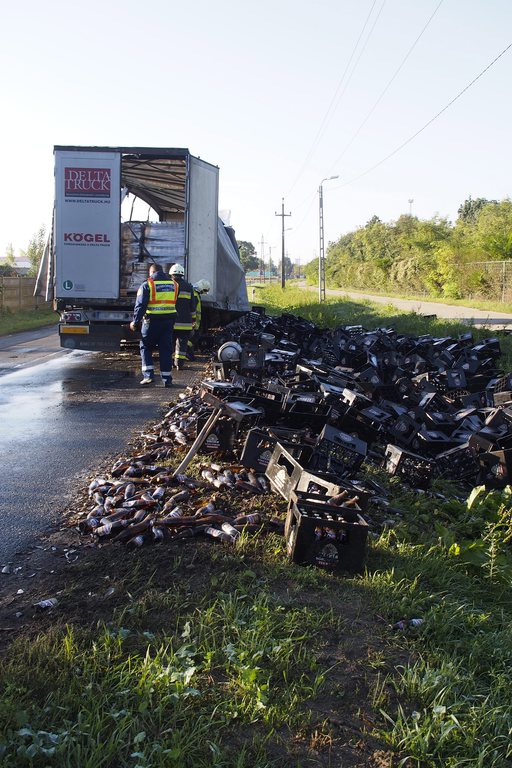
(297, 410)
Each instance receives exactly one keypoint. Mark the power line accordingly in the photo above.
(397, 71)
(333, 101)
(408, 141)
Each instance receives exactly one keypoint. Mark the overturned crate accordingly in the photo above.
(414, 470)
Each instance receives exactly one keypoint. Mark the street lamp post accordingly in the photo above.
(321, 256)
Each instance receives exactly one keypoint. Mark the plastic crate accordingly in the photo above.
(252, 361)
(338, 452)
(404, 430)
(325, 535)
(218, 388)
(413, 469)
(224, 371)
(495, 469)
(458, 463)
(260, 445)
(299, 413)
(283, 471)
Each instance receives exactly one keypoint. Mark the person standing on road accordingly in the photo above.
(185, 315)
(202, 286)
(154, 314)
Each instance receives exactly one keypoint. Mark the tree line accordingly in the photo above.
(251, 262)
(32, 254)
(433, 256)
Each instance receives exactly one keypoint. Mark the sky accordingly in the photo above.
(280, 94)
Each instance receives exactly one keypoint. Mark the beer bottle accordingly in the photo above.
(215, 533)
(228, 528)
(254, 517)
(88, 524)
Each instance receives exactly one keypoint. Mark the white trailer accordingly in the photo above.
(95, 260)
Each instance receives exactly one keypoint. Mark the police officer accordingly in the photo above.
(185, 315)
(202, 286)
(154, 314)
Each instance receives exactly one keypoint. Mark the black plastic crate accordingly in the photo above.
(225, 370)
(218, 388)
(252, 361)
(431, 442)
(414, 470)
(404, 430)
(325, 535)
(271, 401)
(260, 445)
(221, 438)
(338, 452)
(460, 463)
(495, 469)
(299, 413)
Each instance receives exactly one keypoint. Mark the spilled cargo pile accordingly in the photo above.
(296, 410)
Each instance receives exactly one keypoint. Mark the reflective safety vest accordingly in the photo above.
(162, 297)
(185, 307)
(198, 308)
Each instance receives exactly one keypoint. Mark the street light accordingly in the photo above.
(321, 256)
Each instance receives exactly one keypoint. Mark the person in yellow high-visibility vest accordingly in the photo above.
(201, 287)
(153, 315)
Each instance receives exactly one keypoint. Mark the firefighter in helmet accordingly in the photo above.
(185, 315)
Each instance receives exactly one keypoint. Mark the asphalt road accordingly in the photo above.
(62, 414)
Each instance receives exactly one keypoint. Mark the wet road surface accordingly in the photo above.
(62, 414)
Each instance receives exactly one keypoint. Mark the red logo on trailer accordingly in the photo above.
(87, 182)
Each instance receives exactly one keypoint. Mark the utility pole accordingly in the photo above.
(262, 259)
(270, 262)
(282, 214)
(321, 255)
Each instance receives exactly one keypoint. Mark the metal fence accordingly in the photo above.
(495, 277)
(18, 293)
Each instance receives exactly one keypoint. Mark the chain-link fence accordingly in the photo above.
(491, 280)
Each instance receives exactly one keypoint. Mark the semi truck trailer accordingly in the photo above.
(98, 254)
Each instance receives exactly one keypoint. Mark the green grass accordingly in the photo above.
(491, 306)
(220, 662)
(179, 676)
(26, 320)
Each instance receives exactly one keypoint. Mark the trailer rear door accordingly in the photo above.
(203, 193)
(87, 216)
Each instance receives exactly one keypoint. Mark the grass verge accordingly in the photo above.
(209, 656)
(26, 320)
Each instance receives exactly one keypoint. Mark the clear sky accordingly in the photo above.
(278, 93)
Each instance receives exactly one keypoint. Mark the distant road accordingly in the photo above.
(477, 317)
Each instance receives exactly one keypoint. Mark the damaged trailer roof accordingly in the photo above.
(157, 176)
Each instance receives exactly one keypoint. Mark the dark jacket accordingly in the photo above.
(143, 296)
(185, 305)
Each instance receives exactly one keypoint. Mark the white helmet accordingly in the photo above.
(202, 286)
(177, 269)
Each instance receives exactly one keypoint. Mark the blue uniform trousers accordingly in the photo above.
(157, 331)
